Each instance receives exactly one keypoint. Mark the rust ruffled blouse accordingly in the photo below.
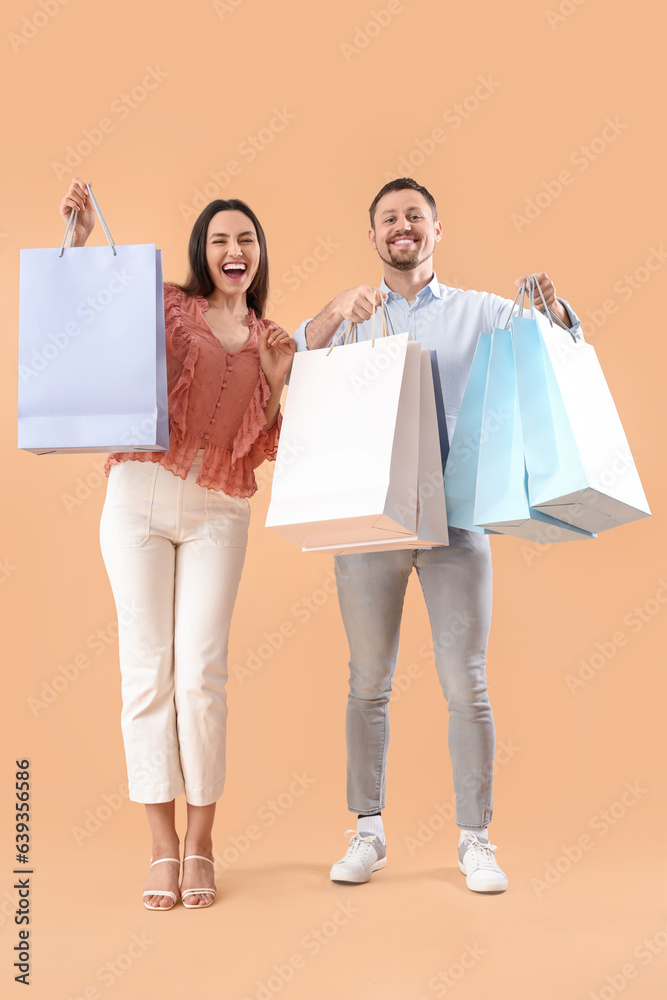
(214, 397)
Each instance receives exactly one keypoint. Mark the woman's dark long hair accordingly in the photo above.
(199, 281)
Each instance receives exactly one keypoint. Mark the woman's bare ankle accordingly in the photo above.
(166, 848)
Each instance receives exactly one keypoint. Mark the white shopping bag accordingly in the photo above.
(349, 441)
(580, 468)
(428, 496)
(92, 354)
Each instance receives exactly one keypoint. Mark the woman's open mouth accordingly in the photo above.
(234, 271)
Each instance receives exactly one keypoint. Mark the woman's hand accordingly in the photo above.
(276, 351)
(78, 198)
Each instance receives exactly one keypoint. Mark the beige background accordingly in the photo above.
(349, 114)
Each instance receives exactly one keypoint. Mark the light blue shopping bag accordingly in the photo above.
(580, 468)
(501, 490)
(92, 352)
(461, 466)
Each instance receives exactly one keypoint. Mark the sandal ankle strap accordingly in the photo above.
(160, 860)
(199, 857)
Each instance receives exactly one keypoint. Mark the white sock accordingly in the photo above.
(371, 824)
(480, 833)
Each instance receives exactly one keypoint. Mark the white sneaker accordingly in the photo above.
(365, 855)
(479, 866)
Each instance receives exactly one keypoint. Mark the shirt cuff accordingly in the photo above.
(574, 319)
(300, 336)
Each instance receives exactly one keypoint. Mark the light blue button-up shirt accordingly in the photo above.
(445, 320)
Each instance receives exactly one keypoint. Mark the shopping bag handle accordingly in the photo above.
(532, 283)
(350, 332)
(529, 285)
(521, 293)
(72, 221)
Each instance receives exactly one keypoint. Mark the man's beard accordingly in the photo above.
(406, 264)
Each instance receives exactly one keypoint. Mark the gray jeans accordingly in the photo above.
(456, 581)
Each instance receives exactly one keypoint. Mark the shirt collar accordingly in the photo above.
(433, 288)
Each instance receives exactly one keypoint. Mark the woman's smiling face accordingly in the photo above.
(232, 251)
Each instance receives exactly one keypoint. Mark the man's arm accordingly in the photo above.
(356, 305)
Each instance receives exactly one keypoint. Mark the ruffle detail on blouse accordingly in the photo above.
(186, 349)
(252, 432)
(236, 479)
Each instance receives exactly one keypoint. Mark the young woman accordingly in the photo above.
(174, 529)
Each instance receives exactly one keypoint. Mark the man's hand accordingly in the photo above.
(356, 305)
(549, 293)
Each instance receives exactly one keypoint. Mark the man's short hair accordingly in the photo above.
(400, 184)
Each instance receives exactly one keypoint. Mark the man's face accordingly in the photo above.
(405, 232)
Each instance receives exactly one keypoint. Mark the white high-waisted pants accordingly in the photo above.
(174, 553)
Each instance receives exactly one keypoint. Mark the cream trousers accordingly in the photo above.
(174, 553)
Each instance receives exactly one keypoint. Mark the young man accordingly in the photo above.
(455, 579)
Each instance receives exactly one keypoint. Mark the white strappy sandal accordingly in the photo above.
(161, 892)
(197, 892)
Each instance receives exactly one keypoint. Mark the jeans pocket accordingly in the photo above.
(126, 515)
(227, 518)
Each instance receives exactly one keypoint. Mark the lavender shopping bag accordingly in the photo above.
(92, 357)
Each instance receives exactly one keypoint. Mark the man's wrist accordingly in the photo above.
(323, 326)
(561, 311)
